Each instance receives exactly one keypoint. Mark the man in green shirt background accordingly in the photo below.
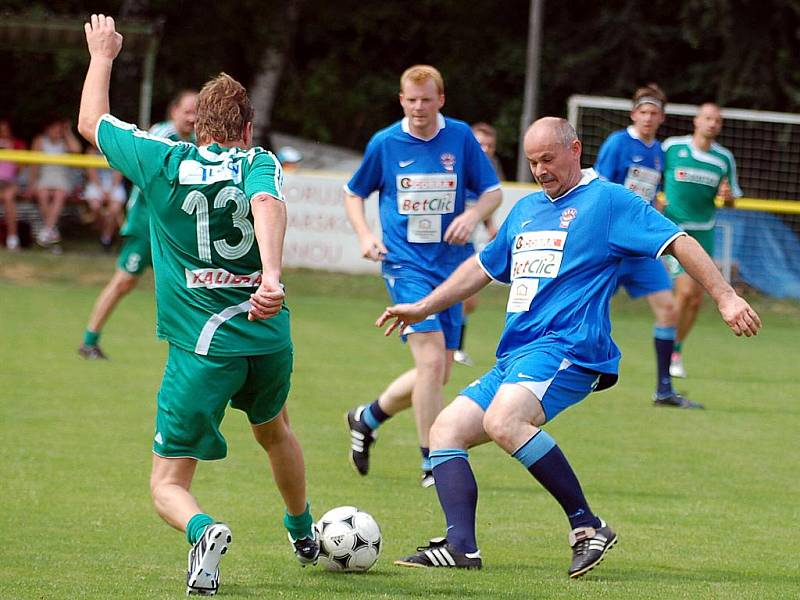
(696, 170)
(217, 224)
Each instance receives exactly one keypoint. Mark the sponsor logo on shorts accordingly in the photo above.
(220, 278)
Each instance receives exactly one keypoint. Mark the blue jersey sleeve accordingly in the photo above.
(369, 176)
(495, 258)
(635, 227)
(607, 165)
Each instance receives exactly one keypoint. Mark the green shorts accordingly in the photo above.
(704, 237)
(196, 390)
(134, 257)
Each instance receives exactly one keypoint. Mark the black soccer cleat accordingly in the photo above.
(202, 576)
(675, 400)
(361, 438)
(91, 352)
(306, 549)
(440, 553)
(589, 547)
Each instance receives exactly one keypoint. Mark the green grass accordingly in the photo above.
(705, 503)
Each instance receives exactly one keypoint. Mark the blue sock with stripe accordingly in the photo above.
(545, 461)
(458, 495)
(372, 416)
(664, 339)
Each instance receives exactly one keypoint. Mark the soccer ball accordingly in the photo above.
(349, 538)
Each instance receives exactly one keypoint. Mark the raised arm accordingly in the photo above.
(735, 311)
(104, 45)
(372, 248)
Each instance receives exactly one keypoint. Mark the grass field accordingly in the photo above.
(705, 503)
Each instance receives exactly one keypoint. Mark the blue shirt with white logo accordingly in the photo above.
(624, 158)
(422, 187)
(560, 257)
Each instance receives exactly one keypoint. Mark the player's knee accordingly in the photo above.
(434, 366)
(445, 431)
(272, 433)
(498, 424)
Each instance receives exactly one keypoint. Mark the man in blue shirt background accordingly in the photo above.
(633, 157)
(559, 250)
(422, 166)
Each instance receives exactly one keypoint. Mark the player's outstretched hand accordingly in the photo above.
(739, 315)
(403, 315)
(266, 302)
(102, 37)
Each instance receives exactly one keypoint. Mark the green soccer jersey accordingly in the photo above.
(137, 223)
(205, 256)
(691, 180)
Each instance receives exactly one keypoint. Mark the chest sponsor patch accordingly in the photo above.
(220, 278)
(698, 176)
(422, 194)
(539, 240)
(643, 181)
(192, 172)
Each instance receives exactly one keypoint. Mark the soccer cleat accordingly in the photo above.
(462, 358)
(427, 480)
(306, 549)
(361, 438)
(440, 553)
(91, 352)
(589, 547)
(202, 578)
(677, 401)
(676, 366)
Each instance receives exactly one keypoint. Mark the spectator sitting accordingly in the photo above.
(105, 194)
(52, 183)
(8, 184)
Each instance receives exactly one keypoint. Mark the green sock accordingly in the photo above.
(90, 338)
(677, 347)
(196, 526)
(299, 526)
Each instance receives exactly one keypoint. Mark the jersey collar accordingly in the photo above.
(588, 175)
(635, 135)
(440, 124)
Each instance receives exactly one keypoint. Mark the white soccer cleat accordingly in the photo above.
(202, 577)
(676, 366)
(462, 358)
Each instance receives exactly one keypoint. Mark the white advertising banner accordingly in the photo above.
(319, 236)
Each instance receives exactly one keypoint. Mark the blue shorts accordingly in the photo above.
(406, 286)
(555, 381)
(643, 276)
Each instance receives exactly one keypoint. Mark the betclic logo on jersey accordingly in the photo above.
(426, 194)
(538, 254)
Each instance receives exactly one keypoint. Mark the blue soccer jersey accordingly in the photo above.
(624, 158)
(560, 257)
(422, 187)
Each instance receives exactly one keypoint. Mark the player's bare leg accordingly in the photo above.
(121, 284)
(289, 473)
(170, 481)
(689, 298)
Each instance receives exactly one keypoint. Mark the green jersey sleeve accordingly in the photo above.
(136, 154)
(263, 175)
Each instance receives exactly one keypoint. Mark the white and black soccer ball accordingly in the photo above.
(350, 539)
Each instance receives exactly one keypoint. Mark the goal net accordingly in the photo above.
(765, 226)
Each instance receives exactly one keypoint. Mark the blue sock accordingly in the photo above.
(373, 416)
(545, 461)
(458, 495)
(426, 461)
(664, 338)
(196, 526)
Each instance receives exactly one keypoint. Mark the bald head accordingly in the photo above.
(554, 153)
(707, 122)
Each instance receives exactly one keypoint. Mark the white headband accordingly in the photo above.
(648, 100)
